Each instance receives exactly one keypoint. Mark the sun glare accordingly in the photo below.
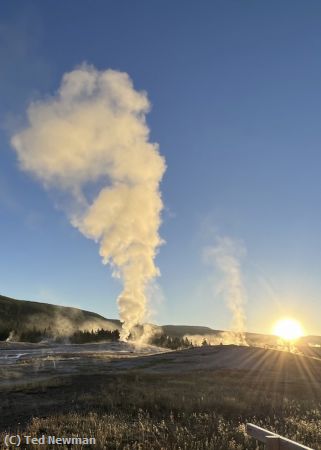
(288, 329)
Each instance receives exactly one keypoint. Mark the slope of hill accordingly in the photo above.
(22, 315)
(183, 330)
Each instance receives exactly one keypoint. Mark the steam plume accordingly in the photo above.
(93, 133)
(225, 257)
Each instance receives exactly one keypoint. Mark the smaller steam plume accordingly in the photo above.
(220, 338)
(225, 257)
(92, 136)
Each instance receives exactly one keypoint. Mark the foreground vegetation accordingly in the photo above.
(204, 410)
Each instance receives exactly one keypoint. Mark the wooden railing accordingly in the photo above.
(272, 440)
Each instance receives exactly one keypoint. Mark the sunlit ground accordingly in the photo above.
(195, 399)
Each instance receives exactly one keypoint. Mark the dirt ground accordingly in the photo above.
(46, 381)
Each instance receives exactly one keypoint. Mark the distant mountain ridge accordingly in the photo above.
(20, 315)
(182, 330)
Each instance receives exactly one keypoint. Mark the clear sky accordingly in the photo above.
(236, 110)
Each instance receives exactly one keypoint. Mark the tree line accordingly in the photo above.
(173, 343)
(82, 337)
(36, 335)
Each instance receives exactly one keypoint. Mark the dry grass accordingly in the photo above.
(205, 410)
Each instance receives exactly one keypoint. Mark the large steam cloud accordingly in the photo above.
(93, 133)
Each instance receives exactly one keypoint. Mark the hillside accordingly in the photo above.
(183, 330)
(25, 315)
(22, 315)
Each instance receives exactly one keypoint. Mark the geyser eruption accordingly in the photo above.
(225, 256)
(92, 134)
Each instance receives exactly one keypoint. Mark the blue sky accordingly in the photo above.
(235, 89)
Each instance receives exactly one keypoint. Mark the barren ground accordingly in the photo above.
(121, 382)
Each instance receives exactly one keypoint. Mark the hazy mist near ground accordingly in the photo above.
(23, 315)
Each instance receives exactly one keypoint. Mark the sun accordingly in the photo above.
(288, 329)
